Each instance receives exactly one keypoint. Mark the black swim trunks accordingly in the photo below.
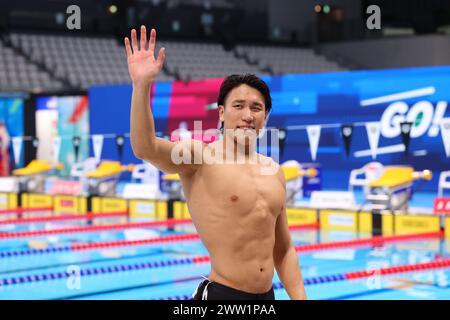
(208, 290)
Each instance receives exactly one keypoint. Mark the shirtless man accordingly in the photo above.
(239, 213)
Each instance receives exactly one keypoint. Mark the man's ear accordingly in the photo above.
(221, 113)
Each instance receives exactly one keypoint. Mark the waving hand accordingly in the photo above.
(142, 65)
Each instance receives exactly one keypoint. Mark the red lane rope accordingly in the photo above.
(378, 240)
(358, 242)
(18, 234)
(19, 210)
(86, 216)
(301, 248)
(314, 225)
(122, 243)
(444, 263)
(193, 236)
(119, 226)
(171, 238)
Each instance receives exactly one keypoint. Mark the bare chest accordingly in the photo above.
(239, 188)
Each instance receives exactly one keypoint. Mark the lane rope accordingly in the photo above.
(115, 243)
(118, 226)
(203, 259)
(347, 276)
(374, 241)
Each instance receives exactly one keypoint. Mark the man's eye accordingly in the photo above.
(237, 106)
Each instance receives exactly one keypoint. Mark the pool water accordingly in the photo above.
(163, 270)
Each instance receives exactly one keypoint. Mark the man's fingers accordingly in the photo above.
(161, 57)
(152, 41)
(134, 42)
(127, 47)
(143, 38)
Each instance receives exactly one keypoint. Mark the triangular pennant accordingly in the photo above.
(76, 141)
(405, 128)
(445, 133)
(17, 148)
(373, 133)
(56, 143)
(347, 134)
(120, 141)
(313, 137)
(97, 142)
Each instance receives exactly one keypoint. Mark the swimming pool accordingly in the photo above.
(119, 264)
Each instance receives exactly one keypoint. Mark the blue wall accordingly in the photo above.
(317, 99)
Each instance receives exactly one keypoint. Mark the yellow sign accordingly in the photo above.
(161, 210)
(387, 221)
(409, 224)
(301, 216)
(114, 205)
(180, 210)
(365, 222)
(36, 200)
(70, 204)
(338, 220)
(108, 205)
(8, 201)
(12, 200)
(143, 208)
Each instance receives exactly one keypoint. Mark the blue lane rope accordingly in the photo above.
(26, 252)
(96, 271)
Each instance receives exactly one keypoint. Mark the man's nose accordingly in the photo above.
(247, 115)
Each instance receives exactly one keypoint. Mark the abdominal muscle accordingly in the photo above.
(234, 209)
(240, 244)
(245, 269)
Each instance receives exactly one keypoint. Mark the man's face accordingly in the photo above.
(245, 110)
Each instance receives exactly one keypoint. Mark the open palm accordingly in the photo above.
(142, 65)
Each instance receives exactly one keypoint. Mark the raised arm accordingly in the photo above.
(143, 69)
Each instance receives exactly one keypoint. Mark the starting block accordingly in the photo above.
(103, 180)
(371, 171)
(293, 174)
(32, 178)
(393, 189)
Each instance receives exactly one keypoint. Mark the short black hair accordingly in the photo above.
(235, 80)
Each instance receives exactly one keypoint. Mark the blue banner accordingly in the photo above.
(417, 95)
